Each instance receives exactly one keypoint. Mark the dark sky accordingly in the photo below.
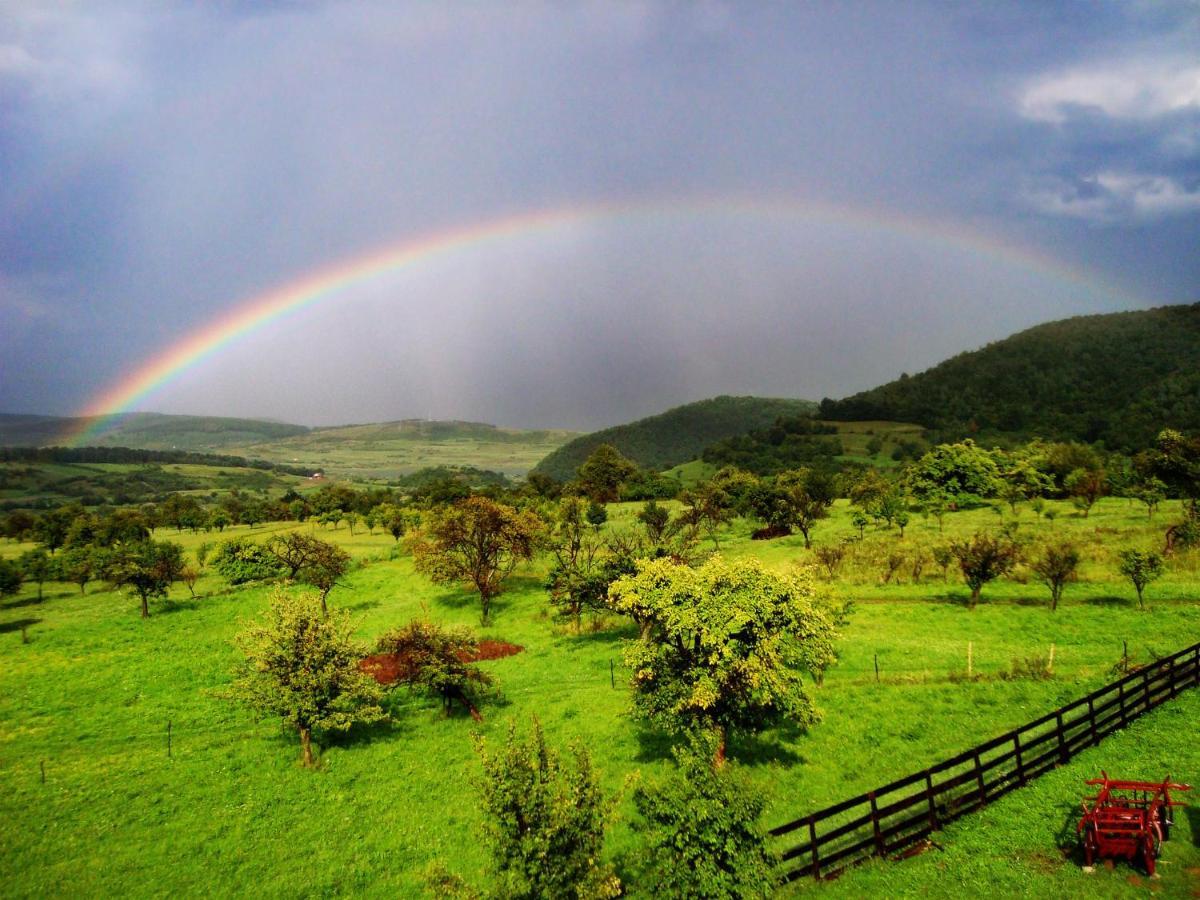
(814, 195)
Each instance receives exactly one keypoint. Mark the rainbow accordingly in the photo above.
(338, 279)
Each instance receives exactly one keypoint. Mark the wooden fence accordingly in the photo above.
(898, 815)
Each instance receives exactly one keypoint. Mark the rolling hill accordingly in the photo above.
(378, 450)
(1116, 378)
(677, 435)
(146, 431)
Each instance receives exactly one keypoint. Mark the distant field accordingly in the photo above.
(34, 483)
(399, 448)
(92, 692)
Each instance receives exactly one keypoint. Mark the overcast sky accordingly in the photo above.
(162, 164)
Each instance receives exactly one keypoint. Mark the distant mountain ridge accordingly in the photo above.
(1117, 378)
(677, 435)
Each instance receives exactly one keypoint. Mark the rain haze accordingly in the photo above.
(608, 209)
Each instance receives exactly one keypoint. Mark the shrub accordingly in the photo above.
(436, 659)
(701, 832)
(239, 561)
(545, 823)
(1141, 567)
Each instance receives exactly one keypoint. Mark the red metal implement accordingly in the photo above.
(1127, 819)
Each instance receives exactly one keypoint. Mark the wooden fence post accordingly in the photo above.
(933, 820)
(979, 779)
(816, 856)
(1020, 762)
(1121, 702)
(1092, 721)
(875, 823)
(1063, 755)
(1171, 675)
(1146, 689)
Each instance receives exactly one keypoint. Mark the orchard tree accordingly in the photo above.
(1150, 491)
(78, 566)
(392, 519)
(807, 496)
(983, 558)
(602, 474)
(310, 560)
(1085, 487)
(964, 473)
(37, 566)
(701, 831)
(1141, 567)
(477, 542)
(148, 567)
(544, 821)
(1056, 565)
(10, 578)
(436, 659)
(723, 644)
(303, 666)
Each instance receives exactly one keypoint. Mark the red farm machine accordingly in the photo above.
(1127, 819)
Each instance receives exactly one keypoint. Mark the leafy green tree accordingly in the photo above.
(860, 521)
(576, 581)
(1056, 565)
(37, 566)
(964, 473)
(302, 665)
(1022, 480)
(723, 644)
(435, 659)
(10, 578)
(544, 821)
(654, 519)
(309, 559)
(240, 560)
(708, 507)
(602, 474)
(478, 542)
(1150, 491)
(392, 519)
(78, 565)
(982, 558)
(1141, 567)
(597, 515)
(808, 496)
(700, 831)
(149, 568)
(1085, 487)
(51, 528)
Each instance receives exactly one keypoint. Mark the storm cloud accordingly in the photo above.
(799, 200)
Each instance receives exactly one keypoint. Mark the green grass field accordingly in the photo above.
(231, 811)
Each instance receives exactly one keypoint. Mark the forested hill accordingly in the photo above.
(1119, 378)
(677, 435)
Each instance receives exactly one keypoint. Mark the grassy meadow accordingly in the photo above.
(90, 694)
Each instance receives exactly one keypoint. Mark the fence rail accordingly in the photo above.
(899, 814)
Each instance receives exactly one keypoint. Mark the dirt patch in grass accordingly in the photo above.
(490, 649)
(389, 668)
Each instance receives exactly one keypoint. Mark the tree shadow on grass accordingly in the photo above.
(170, 607)
(1109, 600)
(19, 604)
(763, 749)
(1193, 817)
(1067, 838)
(361, 606)
(610, 635)
(17, 625)
(654, 745)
